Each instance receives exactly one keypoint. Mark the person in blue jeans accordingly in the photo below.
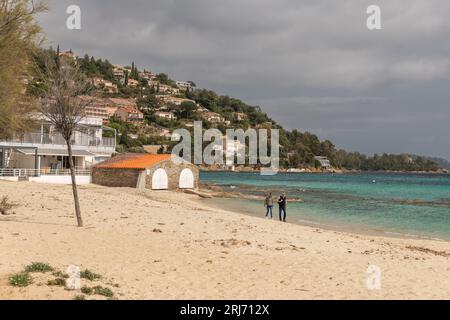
(268, 203)
(282, 206)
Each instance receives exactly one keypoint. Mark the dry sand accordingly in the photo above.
(165, 245)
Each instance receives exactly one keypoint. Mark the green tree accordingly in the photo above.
(187, 109)
(18, 35)
(126, 78)
(149, 103)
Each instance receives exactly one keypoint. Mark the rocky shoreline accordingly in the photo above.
(318, 170)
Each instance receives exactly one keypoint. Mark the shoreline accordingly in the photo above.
(441, 171)
(375, 232)
(167, 245)
(219, 198)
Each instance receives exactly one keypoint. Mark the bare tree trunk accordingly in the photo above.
(74, 185)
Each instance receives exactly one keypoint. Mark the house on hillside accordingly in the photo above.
(105, 85)
(165, 115)
(147, 171)
(324, 162)
(115, 103)
(129, 114)
(97, 107)
(133, 83)
(163, 88)
(119, 72)
(174, 100)
(111, 109)
(121, 102)
(239, 116)
(214, 117)
(148, 76)
(233, 148)
(68, 54)
(184, 85)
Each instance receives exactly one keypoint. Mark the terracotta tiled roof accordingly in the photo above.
(123, 102)
(134, 161)
(130, 109)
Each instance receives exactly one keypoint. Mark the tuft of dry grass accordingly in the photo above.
(6, 206)
(20, 280)
(39, 267)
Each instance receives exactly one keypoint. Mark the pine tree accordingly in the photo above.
(133, 74)
(57, 58)
(126, 78)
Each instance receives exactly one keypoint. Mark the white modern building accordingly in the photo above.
(324, 162)
(41, 155)
(165, 115)
(184, 85)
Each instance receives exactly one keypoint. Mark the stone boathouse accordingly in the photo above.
(150, 171)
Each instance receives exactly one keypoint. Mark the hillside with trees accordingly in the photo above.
(298, 149)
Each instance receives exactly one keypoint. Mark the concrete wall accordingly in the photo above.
(126, 178)
(173, 172)
(81, 180)
(9, 178)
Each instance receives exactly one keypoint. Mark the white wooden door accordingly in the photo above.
(186, 179)
(160, 180)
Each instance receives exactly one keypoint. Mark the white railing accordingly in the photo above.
(7, 172)
(79, 139)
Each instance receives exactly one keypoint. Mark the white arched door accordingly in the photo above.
(160, 180)
(186, 179)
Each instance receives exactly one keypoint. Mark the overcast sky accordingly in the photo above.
(310, 64)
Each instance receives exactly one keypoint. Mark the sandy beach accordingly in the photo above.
(167, 245)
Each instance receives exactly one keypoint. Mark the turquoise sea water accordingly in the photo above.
(404, 204)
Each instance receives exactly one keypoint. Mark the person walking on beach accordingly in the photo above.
(268, 202)
(282, 206)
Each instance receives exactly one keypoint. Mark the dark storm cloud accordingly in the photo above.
(311, 65)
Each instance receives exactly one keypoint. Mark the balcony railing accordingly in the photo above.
(79, 139)
(6, 172)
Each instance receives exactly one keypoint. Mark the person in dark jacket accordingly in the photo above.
(268, 202)
(282, 206)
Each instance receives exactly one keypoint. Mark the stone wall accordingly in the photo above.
(126, 178)
(173, 172)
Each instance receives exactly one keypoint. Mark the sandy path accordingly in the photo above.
(203, 253)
